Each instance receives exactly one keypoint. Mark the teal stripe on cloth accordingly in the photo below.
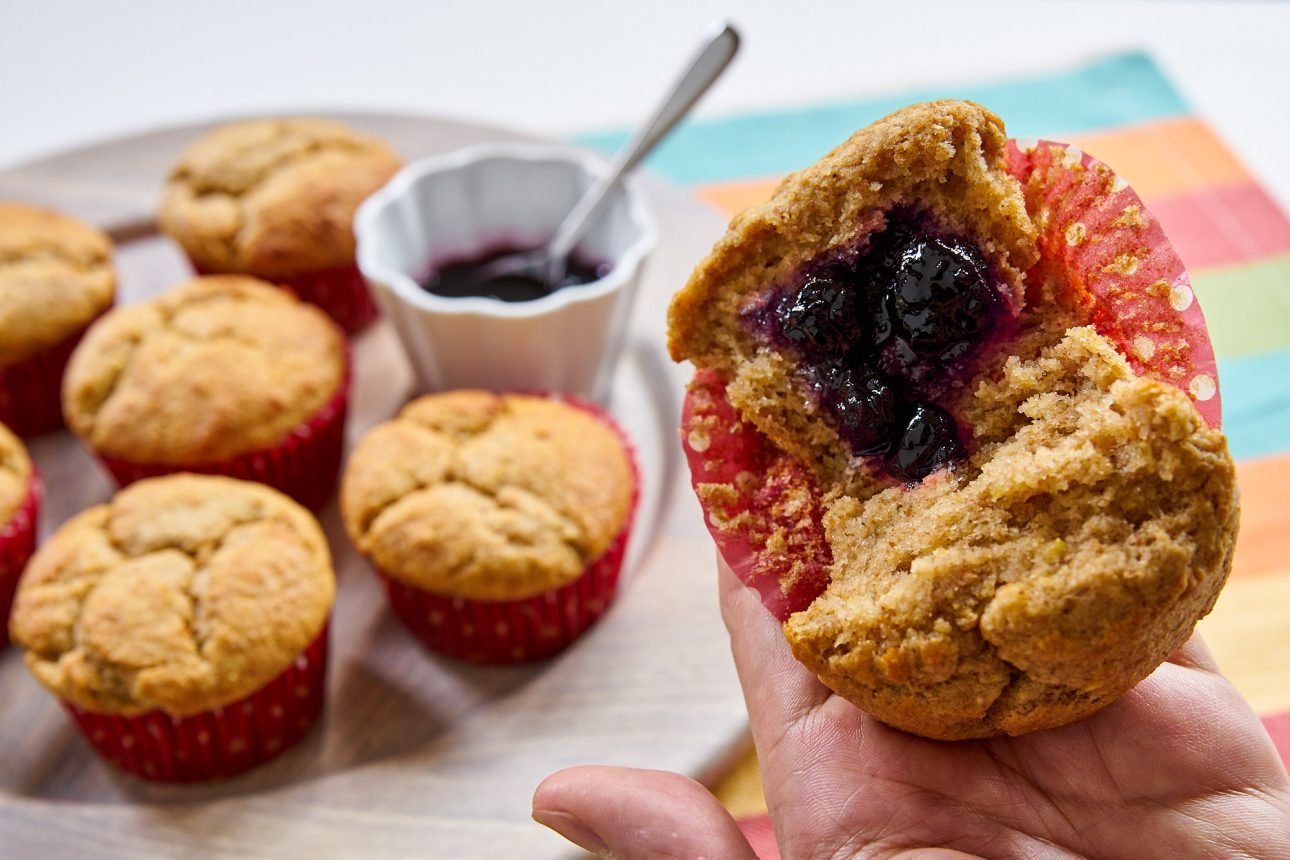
(1120, 90)
(1256, 403)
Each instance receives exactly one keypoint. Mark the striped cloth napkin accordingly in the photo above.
(1233, 238)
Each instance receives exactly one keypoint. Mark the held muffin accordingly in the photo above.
(222, 374)
(19, 508)
(183, 625)
(275, 199)
(56, 277)
(955, 418)
(497, 522)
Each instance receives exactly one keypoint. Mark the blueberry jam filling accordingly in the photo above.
(885, 335)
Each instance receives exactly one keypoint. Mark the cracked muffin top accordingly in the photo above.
(216, 367)
(183, 593)
(55, 277)
(273, 197)
(486, 496)
(15, 474)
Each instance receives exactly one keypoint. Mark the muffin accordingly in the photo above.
(223, 375)
(955, 418)
(275, 199)
(19, 508)
(496, 522)
(55, 278)
(183, 625)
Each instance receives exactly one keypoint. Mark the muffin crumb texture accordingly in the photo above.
(55, 278)
(1087, 523)
(273, 197)
(182, 594)
(487, 497)
(217, 367)
(1067, 560)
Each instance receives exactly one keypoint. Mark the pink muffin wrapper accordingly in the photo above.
(305, 465)
(1095, 233)
(31, 390)
(532, 628)
(17, 543)
(220, 742)
(340, 291)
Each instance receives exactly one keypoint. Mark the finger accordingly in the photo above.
(631, 814)
(1195, 654)
(778, 689)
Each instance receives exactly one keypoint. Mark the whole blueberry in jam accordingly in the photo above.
(928, 441)
(861, 402)
(822, 318)
(941, 297)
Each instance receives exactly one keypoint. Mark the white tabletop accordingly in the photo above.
(78, 70)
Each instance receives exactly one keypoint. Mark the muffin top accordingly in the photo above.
(182, 594)
(485, 496)
(15, 474)
(55, 277)
(273, 197)
(214, 368)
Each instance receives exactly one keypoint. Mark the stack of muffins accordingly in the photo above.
(183, 624)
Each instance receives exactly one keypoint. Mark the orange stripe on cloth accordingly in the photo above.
(1265, 522)
(1163, 159)
(1249, 633)
(1166, 158)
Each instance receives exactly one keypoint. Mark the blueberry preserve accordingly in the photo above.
(885, 334)
(458, 279)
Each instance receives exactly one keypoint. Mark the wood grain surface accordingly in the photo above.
(416, 756)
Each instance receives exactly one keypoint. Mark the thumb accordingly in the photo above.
(631, 814)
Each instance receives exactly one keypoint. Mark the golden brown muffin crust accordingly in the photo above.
(15, 474)
(55, 278)
(214, 368)
(487, 497)
(183, 593)
(273, 197)
(1093, 521)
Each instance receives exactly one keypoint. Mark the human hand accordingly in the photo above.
(1178, 766)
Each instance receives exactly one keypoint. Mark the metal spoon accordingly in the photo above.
(547, 264)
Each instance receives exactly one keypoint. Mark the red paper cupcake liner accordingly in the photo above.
(1141, 299)
(218, 743)
(340, 291)
(31, 390)
(17, 543)
(305, 465)
(534, 628)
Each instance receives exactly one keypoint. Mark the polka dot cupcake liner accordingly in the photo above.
(31, 390)
(220, 742)
(340, 291)
(17, 543)
(304, 466)
(533, 628)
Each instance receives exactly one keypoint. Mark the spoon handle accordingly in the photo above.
(708, 64)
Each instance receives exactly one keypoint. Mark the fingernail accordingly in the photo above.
(573, 830)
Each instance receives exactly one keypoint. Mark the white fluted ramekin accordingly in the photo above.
(461, 206)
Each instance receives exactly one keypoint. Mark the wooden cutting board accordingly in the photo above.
(417, 756)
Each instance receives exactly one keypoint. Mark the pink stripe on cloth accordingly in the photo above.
(761, 836)
(1224, 225)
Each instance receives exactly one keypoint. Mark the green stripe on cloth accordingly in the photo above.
(1247, 308)
(1120, 90)
(1256, 403)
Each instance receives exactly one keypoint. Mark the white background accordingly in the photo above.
(72, 71)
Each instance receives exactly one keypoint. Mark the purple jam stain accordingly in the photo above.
(459, 279)
(884, 333)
